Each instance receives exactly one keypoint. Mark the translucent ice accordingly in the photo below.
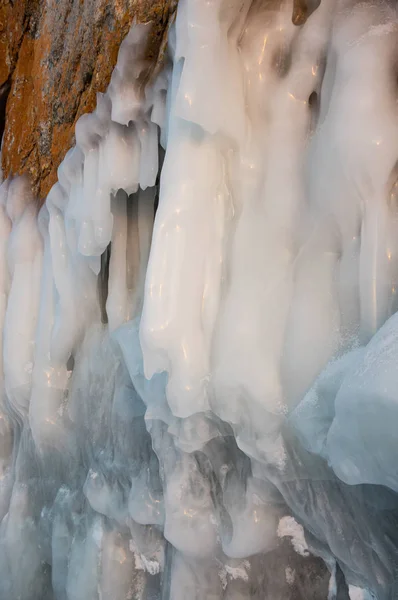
(199, 333)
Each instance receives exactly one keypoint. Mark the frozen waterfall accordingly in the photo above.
(200, 327)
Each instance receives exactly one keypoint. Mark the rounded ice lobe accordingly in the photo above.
(362, 437)
(199, 325)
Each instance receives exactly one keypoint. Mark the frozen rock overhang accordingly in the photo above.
(55, 55)
(199, 326)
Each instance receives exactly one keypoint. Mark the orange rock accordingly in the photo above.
(302, 10)
(54, 57)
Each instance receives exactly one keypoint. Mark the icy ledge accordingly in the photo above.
(185, 394)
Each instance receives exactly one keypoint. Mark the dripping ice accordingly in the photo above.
(200, 336)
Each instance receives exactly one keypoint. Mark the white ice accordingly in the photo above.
(183, 392)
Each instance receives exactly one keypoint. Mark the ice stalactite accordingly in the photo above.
(199, 333)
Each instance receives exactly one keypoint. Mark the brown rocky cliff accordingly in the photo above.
(55, 55)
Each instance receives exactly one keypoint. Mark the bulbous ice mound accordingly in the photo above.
(199, 328)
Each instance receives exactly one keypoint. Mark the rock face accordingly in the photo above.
(54, 57)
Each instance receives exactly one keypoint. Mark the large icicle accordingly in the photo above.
(176, 389)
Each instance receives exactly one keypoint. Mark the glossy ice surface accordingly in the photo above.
(200, 340)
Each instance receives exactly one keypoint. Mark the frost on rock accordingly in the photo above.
(198, 393)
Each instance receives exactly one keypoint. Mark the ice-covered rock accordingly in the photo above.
(199, 328)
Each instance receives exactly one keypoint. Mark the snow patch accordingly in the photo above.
(288, 527)
(239, 571)
(290, 575)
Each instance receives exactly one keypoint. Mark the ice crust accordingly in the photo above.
(199, 327)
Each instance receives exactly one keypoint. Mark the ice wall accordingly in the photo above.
(199, 333)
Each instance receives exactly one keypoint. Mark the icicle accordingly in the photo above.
(177, 387)
(24, 252)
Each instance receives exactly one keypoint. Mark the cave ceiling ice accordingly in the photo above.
(199, 359)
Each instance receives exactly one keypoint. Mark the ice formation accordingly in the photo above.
(199, 325)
